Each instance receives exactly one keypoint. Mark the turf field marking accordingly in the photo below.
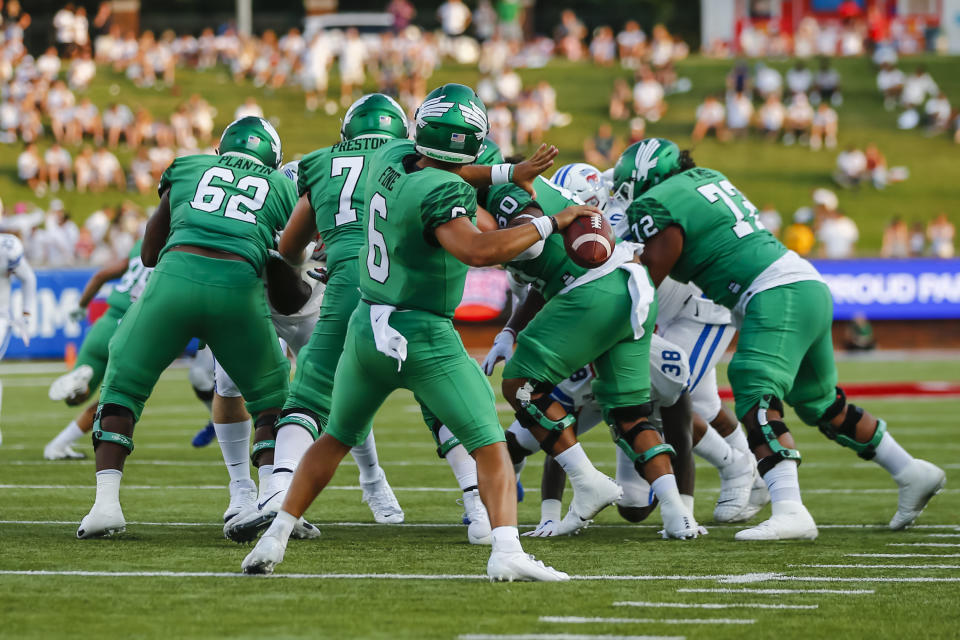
(902, 555)
(585, 620)
(777, 592)
(943, 535)
(877, 566)
(923, 544)
(559, 636)
(714, 605)
(862, 579)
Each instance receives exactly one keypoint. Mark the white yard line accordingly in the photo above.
(559, 636)
(862, 579)
(877, 566)
(587, 620)
(777, 592)
(714, 605)
(902, 555)
(943, 535)
(923, 544)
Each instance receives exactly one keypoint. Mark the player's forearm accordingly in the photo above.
(300, 230)
(155, 236)
(501, 246)
(28, 284)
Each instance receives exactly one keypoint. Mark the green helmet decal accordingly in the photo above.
(375, 114)
(255, 138)
(643, 165)
(451, 124)
(489, 153)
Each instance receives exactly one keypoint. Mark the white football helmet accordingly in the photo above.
(291, 170)
(585, 181)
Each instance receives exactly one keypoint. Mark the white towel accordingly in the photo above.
(642, 295)
(390, 342)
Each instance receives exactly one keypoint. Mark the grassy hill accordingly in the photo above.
(768, 173)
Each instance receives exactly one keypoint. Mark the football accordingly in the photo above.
(589, 241)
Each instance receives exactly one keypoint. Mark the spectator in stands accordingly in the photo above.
(87, 122)
(661, 49)
(63, 25)
(107, 171)
(530, 122)
(648, 96)
(798, 120)
(638, 130)
(738, 80)
(711, 115)
(876, 166)
(799, 235)
(484, 20)
(603, 148)
(248, 108)
(81, 71)
(826, 85)
(767, 82)
(403, 13)
(851, 167)
(799, 78)
(890, 84)
(918, 239)
(81, 29)
(603, 47)
(917, 87)
(620, 100)
(353, 56)
(771, 117)
(315, 68)
(896, 239)
(30, 169)
(937, 114)
(48, 64)
(9, 120)
(941, 233)
(569, 35)
(117, 121)
(837, 236)
(824, 129)
(631, 45)
(508, 15)
(501, 126)
(59, 166)
(770, 219)
(858, 336)
(739, 114)
(141, 172)
(454, 17)
(83, 170)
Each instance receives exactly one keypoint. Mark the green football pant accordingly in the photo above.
(437, 370)
(785, 349)
(312, 385)
(590, 323)
(95, 348)
(222, 303)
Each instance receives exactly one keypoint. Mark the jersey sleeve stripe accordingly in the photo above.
(706, 360)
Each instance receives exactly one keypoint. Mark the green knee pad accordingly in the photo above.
(99, 435)
(263, 445)
(301, 418)
(625, 442)
(770, 430)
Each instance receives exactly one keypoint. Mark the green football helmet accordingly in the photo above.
(255, 138)
(451, 124)
(489, 153)
(375, 114)
(643, 165)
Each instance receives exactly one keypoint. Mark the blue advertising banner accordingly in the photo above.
(888, 289)
(58, 291)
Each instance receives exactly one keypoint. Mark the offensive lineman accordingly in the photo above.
(420, 237)
(208, 241)
(698, 227)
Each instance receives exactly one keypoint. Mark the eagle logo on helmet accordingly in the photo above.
(645, 160)
(432, 108)
(474, 115)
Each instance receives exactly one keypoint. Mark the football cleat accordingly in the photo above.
(759, 497)
(736, 484)
(245, 526)
(55, 451)
(546, 529)
(382, 502)
(72, 386)
(478, 522)
(243, 495)
(790, 521)
(265, 556)
(205, 436)
(589, 498)
(102, 521)
(518, 566)
(678, 522)
(919, 482)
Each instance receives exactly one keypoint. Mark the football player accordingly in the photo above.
(13, 263)
(208, 241)
(420, 238)
(699, 228)
(331, 182)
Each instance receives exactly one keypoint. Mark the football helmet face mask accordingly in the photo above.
(585, 182)
(375, 114)
(451, 124)
(643, 165)
(255, 138)
(489, 153)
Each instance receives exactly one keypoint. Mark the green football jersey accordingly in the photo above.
(725, 246)
(553, 269)
(132, 282)
(228, 202)
(402, 264)
(336, 179)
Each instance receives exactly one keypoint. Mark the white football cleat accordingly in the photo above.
(678, 522)
(382, 502)
(243, 495)
(790, 521)
(103, 520)
(55, 451)
(518, 566)
(265, 556)
(919, 482)
(589, 499)
(736, 483)
(245, 526)
(478, 531)
(72, 385)
(759, 497)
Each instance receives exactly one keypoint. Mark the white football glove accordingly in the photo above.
(21, 328)
(78, 314)
(502, 350)
(549, 520)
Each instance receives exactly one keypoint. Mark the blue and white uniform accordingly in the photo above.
(13, 263)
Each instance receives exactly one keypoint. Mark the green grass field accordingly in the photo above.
(174, 495)
(768, 173)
